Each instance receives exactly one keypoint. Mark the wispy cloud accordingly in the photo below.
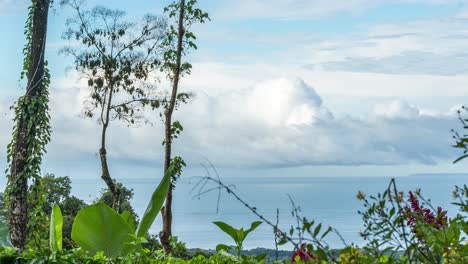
(303, 9)
(12, 5)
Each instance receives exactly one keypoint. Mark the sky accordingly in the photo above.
(298, 88)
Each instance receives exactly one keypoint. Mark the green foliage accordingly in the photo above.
(238, 235)
(176, 129)
(155, 203)
(177, 164)
(354, 255)
(31, 133)
(78, 256)
(3, 211)
(99, 228)
(71, 205)
(4, 234)
(117, 58)
(55, 231)
(57, 190)
(125, 197)
(127, 216)
(192, 16)
(427, 243)
(412, 230)
(38, 221)
(32, 116)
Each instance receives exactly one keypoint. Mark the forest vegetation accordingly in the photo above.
(41, 221)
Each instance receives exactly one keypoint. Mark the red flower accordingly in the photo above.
(418, 213)
(303, 253)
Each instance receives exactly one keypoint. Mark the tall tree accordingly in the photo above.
(117, 59)
(177, 43)
(31, 132)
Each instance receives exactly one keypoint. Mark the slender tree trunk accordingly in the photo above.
(18, 214)
(166, 212)
(115, 191)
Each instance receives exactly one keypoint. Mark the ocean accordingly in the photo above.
(330, 200)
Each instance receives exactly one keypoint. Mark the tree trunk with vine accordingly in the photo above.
(26, 131)
(166, 212)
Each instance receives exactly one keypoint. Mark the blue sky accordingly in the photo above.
(303, 87)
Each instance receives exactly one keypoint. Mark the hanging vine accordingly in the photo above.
(31, 131)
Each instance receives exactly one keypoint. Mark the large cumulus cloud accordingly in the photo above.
(274, 123)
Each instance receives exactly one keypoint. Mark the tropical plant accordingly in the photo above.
(126, 195)
(238, 235)
(99, 228)
(408, 229)
(55, 231)
(57, 190)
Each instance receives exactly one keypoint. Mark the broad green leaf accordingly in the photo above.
(155, 204)
(231, 231)
(240, 235)
(55, 232)
(253, 226)
(99, 228)
(127, 216)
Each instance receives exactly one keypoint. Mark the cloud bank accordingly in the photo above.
(281, 122)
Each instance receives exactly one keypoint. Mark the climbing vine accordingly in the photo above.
(178, 42)
(38, 223)
(31, 133)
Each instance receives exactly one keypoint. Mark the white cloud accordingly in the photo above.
(218, 78)
(396, 109)
(299, 9)
(12, 5)
(233, 133)
(277, 122)
(422, 46)
(435, 46)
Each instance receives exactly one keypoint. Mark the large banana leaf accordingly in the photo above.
(99, 228)
(127, 216)
(155, 204)
(55, 233)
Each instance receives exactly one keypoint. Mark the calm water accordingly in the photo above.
(328, 200)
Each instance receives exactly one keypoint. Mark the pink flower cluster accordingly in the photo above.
(417, 213)
(303, 253)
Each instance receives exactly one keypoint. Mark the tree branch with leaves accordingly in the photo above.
(178, 41)
(119, 60)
